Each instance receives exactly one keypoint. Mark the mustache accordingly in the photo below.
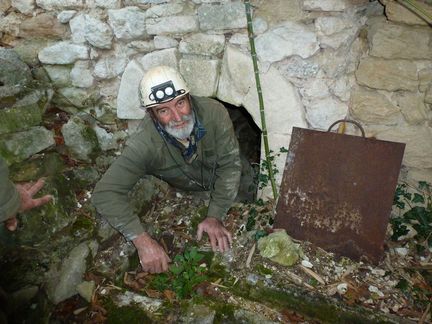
(184, 118)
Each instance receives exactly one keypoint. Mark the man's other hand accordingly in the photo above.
(220, 237)
(26, 192)
(152, 256)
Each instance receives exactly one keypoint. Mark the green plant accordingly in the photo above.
(415, 6)
(263, 177)
(186, 272)
(251, 221)
(415, 205)
(260, 95)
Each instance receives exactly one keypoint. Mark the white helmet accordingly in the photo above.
(161, 84)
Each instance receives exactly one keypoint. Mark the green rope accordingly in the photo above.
(260, 98)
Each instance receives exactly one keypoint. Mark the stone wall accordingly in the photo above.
(319, 61)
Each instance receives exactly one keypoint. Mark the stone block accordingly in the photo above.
(398, 13)
(391, 75)
(372, 107)
(222, 16)
(395, 41)
(173, 25)
(201, 75)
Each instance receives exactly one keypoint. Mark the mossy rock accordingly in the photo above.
(17, 147)
(311, 305)
(43, 165)
(41, 224)
(21, 265)
(125, 314)
(80, 139)
(83, 227)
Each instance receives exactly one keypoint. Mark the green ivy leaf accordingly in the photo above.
(423, 185)
(418, 198)
(400, 205)
(402, 285)
(179, 258)
(399, 229)
(419, 214)
(176, 269)
(407, 195)
(260, 234)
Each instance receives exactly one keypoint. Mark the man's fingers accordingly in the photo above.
(228, 235)
(41, 201)
(25, 186)
(224, 243)
(164, 265)
(221, 244)
(148, 267)
(11, 224)
(213, 242)
(199, 232)
(157, 264)
(34, 189)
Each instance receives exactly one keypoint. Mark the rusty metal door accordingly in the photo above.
(337, 191)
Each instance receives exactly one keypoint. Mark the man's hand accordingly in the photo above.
(220, 238)
(152, 256)
(26, 192)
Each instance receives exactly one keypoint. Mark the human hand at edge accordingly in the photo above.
(220, 237)
(153, 257)
(26, 192)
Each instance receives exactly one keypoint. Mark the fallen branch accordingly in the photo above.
(313, 274)
(425, 314)
(249, 258)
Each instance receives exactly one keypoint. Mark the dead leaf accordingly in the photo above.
(290, 316)
(143, 275)
(128, 281)
(99, 309)
(152, 293)
(355, 292)
(169, 294)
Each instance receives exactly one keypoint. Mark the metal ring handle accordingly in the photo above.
(348, 121)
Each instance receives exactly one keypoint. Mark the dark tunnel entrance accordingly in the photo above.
(249, 137)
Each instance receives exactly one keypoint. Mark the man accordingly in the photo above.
(17, 198)
(188, 142)
(14, 199)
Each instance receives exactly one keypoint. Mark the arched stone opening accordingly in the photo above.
(249, 137)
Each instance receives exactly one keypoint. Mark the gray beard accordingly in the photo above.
(184, 132)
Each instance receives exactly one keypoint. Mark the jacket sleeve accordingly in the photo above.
(228, 167)
(10, 199)
(111, 194)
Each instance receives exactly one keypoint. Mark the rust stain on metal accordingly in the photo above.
(337, 191)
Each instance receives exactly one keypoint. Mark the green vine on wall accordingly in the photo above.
(414, 6)
(268, 159)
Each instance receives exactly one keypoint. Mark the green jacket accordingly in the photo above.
(146, 153)
(9, 196)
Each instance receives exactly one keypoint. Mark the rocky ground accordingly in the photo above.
(242, 286)
(65, 248)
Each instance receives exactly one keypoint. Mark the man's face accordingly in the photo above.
(176, 117)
